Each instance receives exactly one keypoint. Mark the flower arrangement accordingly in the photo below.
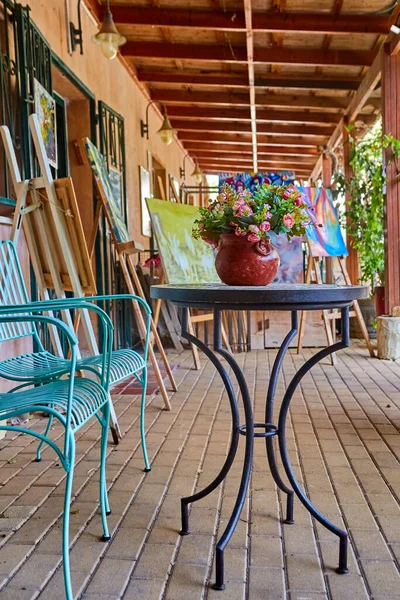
(280, 209)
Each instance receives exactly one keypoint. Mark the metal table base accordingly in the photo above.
(269, 430)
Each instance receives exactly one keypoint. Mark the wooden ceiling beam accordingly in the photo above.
(276, 80)
(263, 21)
(208, 167)
(323, 131)
(231, 139)
(250, 69)
(295, 160)
(261, 99)
(194, 147)
(243, 114)
(237, 54)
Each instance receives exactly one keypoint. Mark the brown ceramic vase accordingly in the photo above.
(240, 262)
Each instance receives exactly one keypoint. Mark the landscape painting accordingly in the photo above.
(184, 259)
(45, 108)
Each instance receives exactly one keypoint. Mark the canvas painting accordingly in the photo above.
(184, 259)
(115, 177)
(145, 187)
(291, 268)
(326, 240)
(248, 181)
(113, 213)
(45, 108)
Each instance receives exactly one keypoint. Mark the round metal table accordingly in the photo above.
(282, 297)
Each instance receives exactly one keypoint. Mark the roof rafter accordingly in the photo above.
(323, 131)
(276, 80)
(236, 98)
(243, 114)
(237, 54)
(264, 21)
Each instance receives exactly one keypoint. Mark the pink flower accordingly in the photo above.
(288, 221)
(238, 204)
(298, 201)
(268, 215)
(243, 209)
(286, 194)
(265, 226)
(253, 237)
(239, 231)
(253, 228)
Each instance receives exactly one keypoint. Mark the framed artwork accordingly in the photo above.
(145, 192)
(248, 181)
(45, 108)
(184, 259)
(291, 268)
(326, 240)
(112, 211)
(115, 177)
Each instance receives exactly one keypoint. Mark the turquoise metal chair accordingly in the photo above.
(43, 366)
(72, 401)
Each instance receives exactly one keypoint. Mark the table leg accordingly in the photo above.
(235, 425)
(248, 430)
(269, 414)
(342, 568)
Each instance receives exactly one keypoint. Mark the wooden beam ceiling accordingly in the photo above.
(238, 54)
(323, 131)
(234, 139)
(275, 80)
(261, 99)
(243, 114)
(267, 21)
(262, 149)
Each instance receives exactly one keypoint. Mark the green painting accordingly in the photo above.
(184, 259)
(111, 204)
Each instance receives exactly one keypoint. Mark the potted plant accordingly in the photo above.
(365, 207)
(237, 224)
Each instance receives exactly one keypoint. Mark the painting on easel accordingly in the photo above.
(45, 108)
(184, 259)
(110, 203)
(328, 239)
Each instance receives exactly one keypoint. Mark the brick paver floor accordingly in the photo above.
(345, 447)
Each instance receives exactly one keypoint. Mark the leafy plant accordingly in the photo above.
(365, 205)
(280, 209)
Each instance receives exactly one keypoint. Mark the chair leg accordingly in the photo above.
(39, 449)
(147, 466)
(104, 506)
(67, 508)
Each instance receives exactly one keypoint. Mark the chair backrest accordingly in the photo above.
(12, 291)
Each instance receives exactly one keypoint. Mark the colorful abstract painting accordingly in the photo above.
(291, 268)
(112, 210)
(184, 259)
(328, 239)
(248, 181)
(45, 108)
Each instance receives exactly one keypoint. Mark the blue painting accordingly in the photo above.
(249, 181)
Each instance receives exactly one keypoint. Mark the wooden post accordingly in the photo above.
(352, 258)
(391, 125)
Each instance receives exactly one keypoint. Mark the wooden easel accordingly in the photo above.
(52, 237)
(313, 274)
(125, 252)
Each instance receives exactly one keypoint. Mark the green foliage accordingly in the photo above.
(365, 205)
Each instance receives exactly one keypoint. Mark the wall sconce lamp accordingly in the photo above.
(108, 38)
(166, 131)
(75, 33)
(197, 172)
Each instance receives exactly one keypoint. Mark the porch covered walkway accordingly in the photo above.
(344, 442)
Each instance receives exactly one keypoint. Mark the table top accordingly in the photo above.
(275, 296)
